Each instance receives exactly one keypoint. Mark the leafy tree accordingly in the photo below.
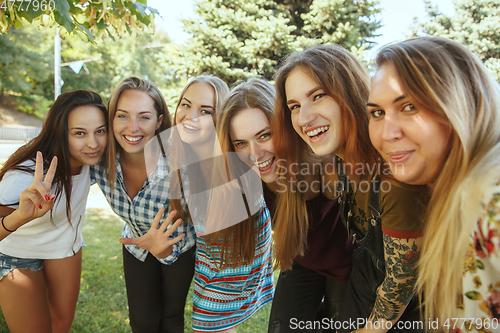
(104, 17)
(475, 24)
(24, 64)
(241, 38)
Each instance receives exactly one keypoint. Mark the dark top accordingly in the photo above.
(329, 249)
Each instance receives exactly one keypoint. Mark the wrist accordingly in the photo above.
(13, 221)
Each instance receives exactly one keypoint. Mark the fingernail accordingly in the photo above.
(53, 198)
(47, 198)
(40, 206)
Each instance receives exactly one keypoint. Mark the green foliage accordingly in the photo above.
(26, 62)
(33, 104)
(104, 17)
(475, 24)
(234, 39)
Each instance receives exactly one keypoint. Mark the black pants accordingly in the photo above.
(157, 293)
(301, 297)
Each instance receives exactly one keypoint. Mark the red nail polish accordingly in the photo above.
(47, 198)
(40, 206)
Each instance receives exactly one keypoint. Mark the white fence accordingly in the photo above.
(18, 133)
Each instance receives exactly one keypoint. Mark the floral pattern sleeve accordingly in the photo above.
(480, 301)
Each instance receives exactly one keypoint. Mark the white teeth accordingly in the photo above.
(133, 138)
(191, 127)
(317, 131)
(266, 163)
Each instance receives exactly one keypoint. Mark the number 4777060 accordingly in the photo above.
(25, 5)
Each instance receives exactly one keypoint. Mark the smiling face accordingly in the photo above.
(250, 132)
(135, 121)
(87, 136)
(316, 117)
(195, 115)
(412, 139)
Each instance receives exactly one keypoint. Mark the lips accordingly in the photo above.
(400, 156)
(316, 133)
(190, 128)
(133, 140)
(94, 154)
(266, 166)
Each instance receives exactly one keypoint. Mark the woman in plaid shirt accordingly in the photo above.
(157, 281)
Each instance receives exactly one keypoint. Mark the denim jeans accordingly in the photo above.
(8, 264)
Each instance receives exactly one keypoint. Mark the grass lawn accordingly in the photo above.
(102, 305)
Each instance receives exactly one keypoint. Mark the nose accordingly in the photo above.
(257, 151)
(133, 124)
(194, 114)
(306, 116)
(92, 142)
(392, 130)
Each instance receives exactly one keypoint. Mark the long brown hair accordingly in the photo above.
(238, 241)
(53, 141)
(345, 79)
(159, 104)
(449, 80)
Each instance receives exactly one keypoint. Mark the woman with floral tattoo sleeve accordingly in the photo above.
(321, 105)
(435, 119)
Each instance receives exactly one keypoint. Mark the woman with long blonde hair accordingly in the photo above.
(157, 281)
(233, 269)
(435, 111)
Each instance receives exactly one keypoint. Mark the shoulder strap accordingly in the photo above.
(374, 194)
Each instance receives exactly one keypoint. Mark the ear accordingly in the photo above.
(160, 121)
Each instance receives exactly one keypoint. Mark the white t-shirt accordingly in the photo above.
(46, 238)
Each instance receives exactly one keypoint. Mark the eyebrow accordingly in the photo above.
(128, 111)
(394, 101)
(203, 106)
(309, 93)
(262, 131)
(83, 128)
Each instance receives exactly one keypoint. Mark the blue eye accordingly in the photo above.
(265, 135)
(293, 107)
(318, 96)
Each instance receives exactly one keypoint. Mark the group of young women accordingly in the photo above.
(383, 192)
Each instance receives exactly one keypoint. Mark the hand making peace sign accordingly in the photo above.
(35, 200)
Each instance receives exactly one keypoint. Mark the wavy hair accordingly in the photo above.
(238, 241)
(346, 80)
(449, 80)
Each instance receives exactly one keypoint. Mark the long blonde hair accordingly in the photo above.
(344, 78)
(178, 150)
(160, 106)
(447, 79)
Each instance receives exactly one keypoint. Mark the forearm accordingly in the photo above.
(386, 310)
(10, 222)
(398, 287)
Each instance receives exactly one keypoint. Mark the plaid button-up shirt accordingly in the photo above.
(139, 213)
